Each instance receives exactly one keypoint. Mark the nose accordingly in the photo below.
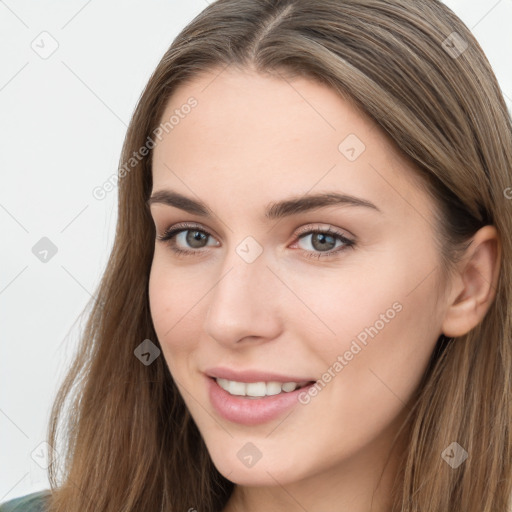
(244, 303)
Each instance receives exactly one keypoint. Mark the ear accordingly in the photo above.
(475, 283)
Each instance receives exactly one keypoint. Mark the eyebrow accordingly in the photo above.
(274, 210)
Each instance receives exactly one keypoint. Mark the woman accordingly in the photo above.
(229, 365)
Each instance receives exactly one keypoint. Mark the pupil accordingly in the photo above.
(195, 236)
(321, 237)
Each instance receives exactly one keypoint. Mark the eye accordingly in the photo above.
(322, 241)
(185, 234)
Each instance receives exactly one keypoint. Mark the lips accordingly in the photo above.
(249, 411)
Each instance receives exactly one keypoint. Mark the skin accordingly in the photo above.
(292, 314)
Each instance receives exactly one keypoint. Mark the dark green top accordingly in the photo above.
(34, 502)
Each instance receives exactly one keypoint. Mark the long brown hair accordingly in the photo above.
(128, 441)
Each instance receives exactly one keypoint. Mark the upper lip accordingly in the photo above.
(253, 375)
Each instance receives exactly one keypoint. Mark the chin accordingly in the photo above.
(233, 461)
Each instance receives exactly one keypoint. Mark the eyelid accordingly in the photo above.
(325, 228)
(183, 226)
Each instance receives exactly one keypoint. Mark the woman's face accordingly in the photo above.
(358, 309)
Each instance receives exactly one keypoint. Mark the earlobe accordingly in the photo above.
(478, 279)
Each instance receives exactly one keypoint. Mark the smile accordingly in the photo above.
(258, 389)
(248, 410)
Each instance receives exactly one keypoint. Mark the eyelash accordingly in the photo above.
(169, 237)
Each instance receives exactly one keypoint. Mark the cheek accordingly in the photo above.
(363, 290)
(174, 305)
(382, 319)
(374, 363)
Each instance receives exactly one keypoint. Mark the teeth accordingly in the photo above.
(257, 389)
(289, 386)
(273, 388)
(236, 388)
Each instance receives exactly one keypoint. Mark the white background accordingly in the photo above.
(63, 120)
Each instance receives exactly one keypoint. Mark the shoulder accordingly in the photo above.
(33, 502)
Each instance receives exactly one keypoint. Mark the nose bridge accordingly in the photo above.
(243, 301)
(245, 271)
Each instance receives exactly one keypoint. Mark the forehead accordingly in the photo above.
(242, 109)
(255, 134)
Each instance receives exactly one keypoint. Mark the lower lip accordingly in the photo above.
(251, 411)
